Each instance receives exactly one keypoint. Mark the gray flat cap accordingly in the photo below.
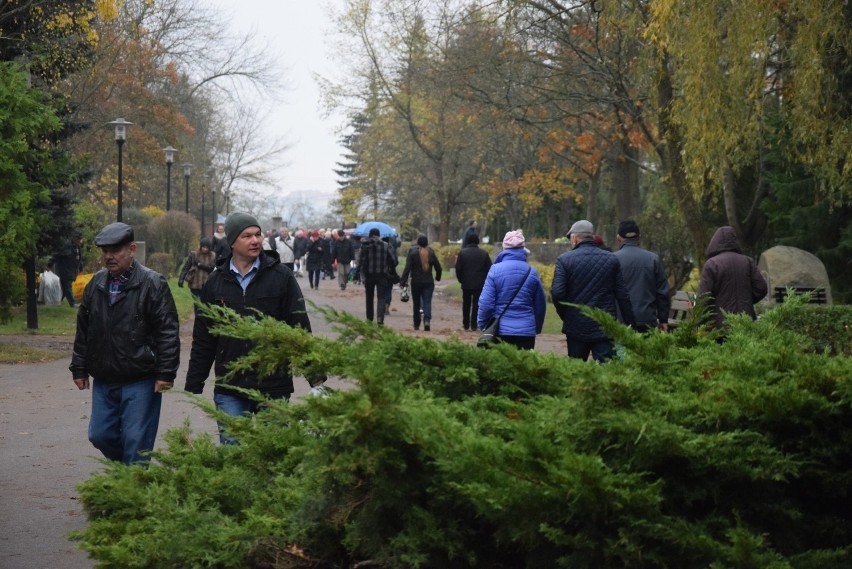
(582, 226)
(114, 234)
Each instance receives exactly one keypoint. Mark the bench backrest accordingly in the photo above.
(682, 303)
(817, 294)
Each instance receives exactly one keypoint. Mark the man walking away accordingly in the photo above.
(592, 276)
(645, 279)
(127, 340)
(472, 267)
(374, 262)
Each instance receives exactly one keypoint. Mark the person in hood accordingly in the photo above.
(730, 280)
(249, 281)
(513, 293)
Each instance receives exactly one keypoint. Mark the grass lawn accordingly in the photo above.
(62, 320)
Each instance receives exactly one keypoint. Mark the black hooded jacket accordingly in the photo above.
(273, 291)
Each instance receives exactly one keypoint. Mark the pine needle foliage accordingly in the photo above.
(681, 453)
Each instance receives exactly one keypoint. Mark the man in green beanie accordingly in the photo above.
(248, 280)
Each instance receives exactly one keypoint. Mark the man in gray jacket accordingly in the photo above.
(645, 278)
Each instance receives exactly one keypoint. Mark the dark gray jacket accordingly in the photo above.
(646, 283)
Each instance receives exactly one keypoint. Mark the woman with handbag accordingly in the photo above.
(419, 262)
(197, 267)
(513, 295)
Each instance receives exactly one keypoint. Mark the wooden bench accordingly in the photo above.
(682, 304)
(817, 294)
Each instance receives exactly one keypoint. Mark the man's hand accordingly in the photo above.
(81, 383)
(162, 385)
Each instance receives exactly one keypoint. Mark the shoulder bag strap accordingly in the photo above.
(511, 300)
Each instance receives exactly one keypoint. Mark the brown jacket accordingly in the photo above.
(731, 279)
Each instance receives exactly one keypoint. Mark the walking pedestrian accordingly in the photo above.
(513, 293)
(127, 340)
(250, 281)
(374, 263)
(419, 264)
(315, 255)
(343, 254)
(592, 276)
(68, 262)
(472, 266)
(730, 279)
(197, 267)
(645, 279)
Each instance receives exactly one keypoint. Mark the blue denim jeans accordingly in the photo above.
(234, 406)
(421, 294)
(124, 420)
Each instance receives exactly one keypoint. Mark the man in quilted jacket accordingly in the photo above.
(591, 276)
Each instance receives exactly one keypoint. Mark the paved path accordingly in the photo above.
(44, 451)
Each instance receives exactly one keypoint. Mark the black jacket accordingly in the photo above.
(414, 269)
(275, 292)
(343, 251)
(472, 267)
(134, 339)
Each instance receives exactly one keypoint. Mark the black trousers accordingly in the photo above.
(470, 307)
(375, 287)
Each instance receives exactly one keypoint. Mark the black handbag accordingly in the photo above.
(488, 337)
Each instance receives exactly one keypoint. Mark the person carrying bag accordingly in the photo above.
(488, 337)
(511, 278)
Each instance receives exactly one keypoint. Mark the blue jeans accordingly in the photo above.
(421, 294)
(235, 406)
(601, 350)
(124, 419)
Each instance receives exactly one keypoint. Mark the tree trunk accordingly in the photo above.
(670, 151)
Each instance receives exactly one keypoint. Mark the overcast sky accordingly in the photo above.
(298, 30)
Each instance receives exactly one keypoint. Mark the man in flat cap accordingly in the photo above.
(592, 276)
(645, 279)
(127, 341)
(248, 280)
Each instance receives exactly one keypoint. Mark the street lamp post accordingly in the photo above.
(213, 215)
(187, 170)
(120, 135)
(170, 158)
(203, 191)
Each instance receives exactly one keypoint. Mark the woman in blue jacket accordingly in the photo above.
(510, 274)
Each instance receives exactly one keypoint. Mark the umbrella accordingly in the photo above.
(385, 230)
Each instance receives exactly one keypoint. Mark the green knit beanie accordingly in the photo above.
(236, 223)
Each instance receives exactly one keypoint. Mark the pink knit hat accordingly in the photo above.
(513, 240)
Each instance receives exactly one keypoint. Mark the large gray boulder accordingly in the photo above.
(784, 266)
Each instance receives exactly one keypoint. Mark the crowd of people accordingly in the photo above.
(127, 346)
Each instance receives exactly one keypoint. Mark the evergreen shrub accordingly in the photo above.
(827, 327)
(682, 453)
